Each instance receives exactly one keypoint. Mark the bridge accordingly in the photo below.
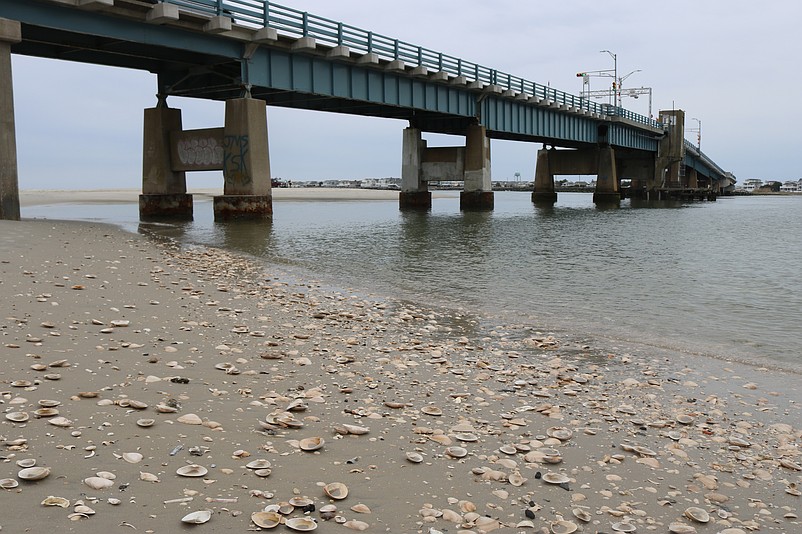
(250, 53)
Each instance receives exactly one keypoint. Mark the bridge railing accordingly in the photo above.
(296, 23)
(693, 149)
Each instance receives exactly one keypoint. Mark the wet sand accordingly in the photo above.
(120, 327)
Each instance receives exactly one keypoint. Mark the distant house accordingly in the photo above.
(752, 184)
(791, 187)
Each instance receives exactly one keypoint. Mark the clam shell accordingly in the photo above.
(681, 528)
(48, 403)
(311, 444)
(26, 462)
(266, 519)
(560, 432)
(467, 437)
(145, 423)
(432, 410)
(457, 452)
(132, 457)
(356, 429)
(21, 383)
(508, 449)
(197, 518)
(45, 412)
(56, 501)
(623, 527)
(33, 473)
(300, 502)
(83, 509)
(684, 419)
(336, 490)
(60, 422)
(258, 464)
(8, 483)
(563, 527)
(582, 515)
(98, 483)
(414, 457)
(262, 472)
(516, 479)
(192, 470)
(301, 524)
(555, 478)
(17, 417)
(697, 514)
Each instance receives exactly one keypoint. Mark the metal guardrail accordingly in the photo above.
(296, 23)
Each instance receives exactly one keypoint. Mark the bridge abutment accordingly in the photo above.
(478, 189)
(164, 190)
(10, 32)
(247, 191)
(607, 191)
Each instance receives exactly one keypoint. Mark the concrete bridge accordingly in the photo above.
(250, 53)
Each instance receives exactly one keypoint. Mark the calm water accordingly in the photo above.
(721, 278)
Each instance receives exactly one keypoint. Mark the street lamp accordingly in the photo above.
(615, 74)
(698, 133)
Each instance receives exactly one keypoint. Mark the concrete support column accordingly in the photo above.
(606, 178)
(164, 191)
(415, 192)
(247, 192)
(478, 191)
(693, 179)
(544, 192)
(10, 32)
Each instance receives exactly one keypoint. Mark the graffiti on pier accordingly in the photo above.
(235, 162)
(197, 150)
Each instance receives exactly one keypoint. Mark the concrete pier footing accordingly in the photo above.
(233, 207)
(165, 206)
(10, 32)
(476, 200)
(415, 200)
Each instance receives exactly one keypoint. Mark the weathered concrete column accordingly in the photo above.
(164, 191)
(10, 32)
(692, 178)
(544, 192)
(478, 190)
(415, 192)
(247, 193)
(606, 178)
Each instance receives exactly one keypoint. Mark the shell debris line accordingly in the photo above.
(187, 387)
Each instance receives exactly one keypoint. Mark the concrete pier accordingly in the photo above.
(10, 32)
(415, 192)
(247, 192)
(607, 191)
(544, 192)
(478, 190)
(164, 190)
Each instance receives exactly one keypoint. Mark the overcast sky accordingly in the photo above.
(733, 64)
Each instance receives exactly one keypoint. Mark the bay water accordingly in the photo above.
(716, 278)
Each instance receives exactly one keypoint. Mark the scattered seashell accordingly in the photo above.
(697, 514)
(190, 419)
(432, 410)
(311, 444)
(355, 429)
(555, 478)
(59, 421)
(681, 528)
(582, 514)
(132, 457)
(48, 403)
(145, 423)
(560, 432)
(516, 479)
(192, 470)
(266, 519)
(8, 483)
(457, 452)
(563, 527)
(508, 449)
(336, 490)
(258, 464)
(56, 501)
(301, 524)
(33, 473)
(623, 526)
(197, 518)
(45, 412)
(414, 457)
(360, 508)
(17, 417)
(26, 462)
(98, 483)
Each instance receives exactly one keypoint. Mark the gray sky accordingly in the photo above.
(732, 64)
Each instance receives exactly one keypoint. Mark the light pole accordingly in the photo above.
(698, 133)
(615, 74)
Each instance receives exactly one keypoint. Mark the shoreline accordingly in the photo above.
(640, 437)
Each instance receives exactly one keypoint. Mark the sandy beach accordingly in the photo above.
(281, 394)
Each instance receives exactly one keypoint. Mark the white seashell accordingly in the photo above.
(457, 452)
(190, 419)
(148, 477)
(98, 483)
(266, 519)
(106, 474)
(145, 423)
(516, 479)
(356, 430)
(17, 417)
(560, 432)
(8, 483)
(163, 408)
(197, 518)
(300, 502)
(788, 464)
(684, 419)
(258, 464)
(466, 437)
(623, 527)
(132, 457)
(113, 501)
(555, 478)
(311, 444)
(697, 514)
(360, 508)
(353, 524)
(302, 524)
(432, 410)
(47, 403)
(681, 528)
(56, 501)
(33, 473)
(414, 457)
(336, 490)
(45, 412)
(563, 527)
(262, 472)
(508, 449)
(192, 470)
(26, 462)
(60, 422)
(582, 515)
(83, 509)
